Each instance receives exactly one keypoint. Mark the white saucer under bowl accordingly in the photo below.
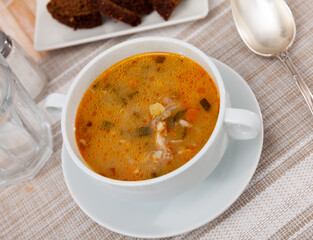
(185, 212)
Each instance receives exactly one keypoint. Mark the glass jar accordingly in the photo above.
(25, 134)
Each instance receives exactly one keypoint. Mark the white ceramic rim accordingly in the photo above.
(217, 129)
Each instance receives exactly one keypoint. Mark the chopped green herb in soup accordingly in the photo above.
(146, 116)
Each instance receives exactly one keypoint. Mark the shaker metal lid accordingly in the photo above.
(5, 44)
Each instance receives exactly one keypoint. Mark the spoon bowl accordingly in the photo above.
(268, 28)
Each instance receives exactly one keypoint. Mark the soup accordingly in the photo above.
(146, 116)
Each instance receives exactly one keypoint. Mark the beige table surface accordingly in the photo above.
(278, 202)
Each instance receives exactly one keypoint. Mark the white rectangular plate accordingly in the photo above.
(50, 34)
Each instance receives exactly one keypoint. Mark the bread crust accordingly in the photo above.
(112, 10)
(75, 13)
(165, 7)
(141, 7)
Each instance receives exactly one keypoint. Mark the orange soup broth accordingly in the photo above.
(117, 104)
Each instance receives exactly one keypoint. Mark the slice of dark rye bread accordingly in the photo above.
(141, 7)
(112, 10)
(86, 13)
(165, 7)
(76, 13)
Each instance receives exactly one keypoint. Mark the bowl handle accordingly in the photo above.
(54, 103)
(242, 124)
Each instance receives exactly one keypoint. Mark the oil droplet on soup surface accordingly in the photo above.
(146, 116)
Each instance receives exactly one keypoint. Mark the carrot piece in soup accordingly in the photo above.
(201, 90)
(192, 114)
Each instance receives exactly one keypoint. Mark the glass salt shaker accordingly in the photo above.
(23, 66)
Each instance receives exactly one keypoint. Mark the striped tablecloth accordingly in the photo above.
(278, 202)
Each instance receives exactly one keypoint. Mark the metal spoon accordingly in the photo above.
(268, 28)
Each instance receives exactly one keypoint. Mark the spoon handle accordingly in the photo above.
(285, 58)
